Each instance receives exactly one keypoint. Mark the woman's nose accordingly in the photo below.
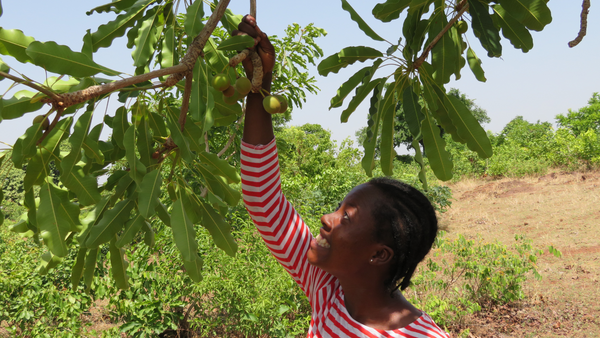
(328, 221)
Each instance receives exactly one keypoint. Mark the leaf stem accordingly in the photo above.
(32, 85)
(419, 61)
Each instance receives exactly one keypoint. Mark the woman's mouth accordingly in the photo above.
(322, 242)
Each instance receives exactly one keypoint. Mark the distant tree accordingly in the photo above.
(524, 133)
(584, 119)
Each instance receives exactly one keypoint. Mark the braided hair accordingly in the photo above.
(406, 221)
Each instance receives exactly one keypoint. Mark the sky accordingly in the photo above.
(548, 80)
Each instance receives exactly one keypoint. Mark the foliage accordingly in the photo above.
(173, 135)
(466, 275)
(419, 84)
(586, 118)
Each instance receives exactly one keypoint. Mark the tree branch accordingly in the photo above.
(419, 61)
(583, 28)
(176, 72)
(32, 85)
(253, 8)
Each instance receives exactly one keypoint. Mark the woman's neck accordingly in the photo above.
(372, 305)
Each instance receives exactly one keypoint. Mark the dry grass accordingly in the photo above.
(558, 209)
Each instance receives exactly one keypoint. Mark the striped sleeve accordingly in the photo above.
(281, 227)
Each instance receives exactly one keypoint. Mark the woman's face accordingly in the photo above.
(346, 242)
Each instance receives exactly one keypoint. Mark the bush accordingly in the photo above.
(466, 275)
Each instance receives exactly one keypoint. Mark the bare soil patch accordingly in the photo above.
(559, 209)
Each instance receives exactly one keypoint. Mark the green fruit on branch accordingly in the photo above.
(220, 82)
(283, 102)
(43, 120)
(229, 91)
(272, 104)
(243, 86)
(462, 27)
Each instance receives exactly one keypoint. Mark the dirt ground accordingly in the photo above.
(558, 209)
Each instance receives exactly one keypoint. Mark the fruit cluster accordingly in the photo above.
(231, 94)
(273, 104)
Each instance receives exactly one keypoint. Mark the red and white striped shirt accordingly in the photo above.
(288, 238)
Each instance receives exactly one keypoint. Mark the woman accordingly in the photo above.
(353, 271)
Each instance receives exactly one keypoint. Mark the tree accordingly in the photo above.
(174, 132)
(584, 119)
(418, 81)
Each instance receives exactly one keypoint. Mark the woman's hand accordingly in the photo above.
(262, 46)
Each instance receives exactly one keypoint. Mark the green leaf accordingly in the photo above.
(217, 60)
(445, 53)
(177, 135)
(76, 140)
(111, 223)
(163, 214)
(346, 57)
(387, 134)
(157, 125)
(347, 87)
(114, 6)
(168, 53)
(77, 271)
(412, 111)
(435, 148)
(150, 190)
(105, 34)
(118, 266)
(148, 235)
(29, 141)
(370, 141)
(183, 231)
(229, 20)
(512, 29)
(51, 262)
(193, 19)
(90, 267)
(19, 105)
(475, 65)
(88, 43)
(146, 39)
(132, 227)
(361, 93)
(56, 218)
(220, 167)
(484, 28)
(194, 268)
(144, 141)
(84, 186)
(390, 10)
(137, 169)
(534, 14)
(237, 42)
(467, 126)
(194, 135)
(218, 187)
(419, 159)
(92, 219)
(201, 101)
(14, 43)
(219, 229)
(62, 60)
(361, 23)
(3, 68)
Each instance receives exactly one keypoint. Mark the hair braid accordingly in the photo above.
(407, 222)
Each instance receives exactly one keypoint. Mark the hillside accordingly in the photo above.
(557, 209)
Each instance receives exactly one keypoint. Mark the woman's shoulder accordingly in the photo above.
(424, 326)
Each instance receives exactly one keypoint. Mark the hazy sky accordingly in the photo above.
(546, 81)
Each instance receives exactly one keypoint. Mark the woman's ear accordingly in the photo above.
(382, 256)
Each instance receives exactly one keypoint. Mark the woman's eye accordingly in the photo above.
(346, 215)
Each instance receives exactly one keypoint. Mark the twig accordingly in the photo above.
(176, 72)
(232, 137)
(241, 56)
(185, 105)
(583, 28)
(257, 75)
(206, 145)
(419, 61)
(32, 85)
(59, 112)
(253, 8)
